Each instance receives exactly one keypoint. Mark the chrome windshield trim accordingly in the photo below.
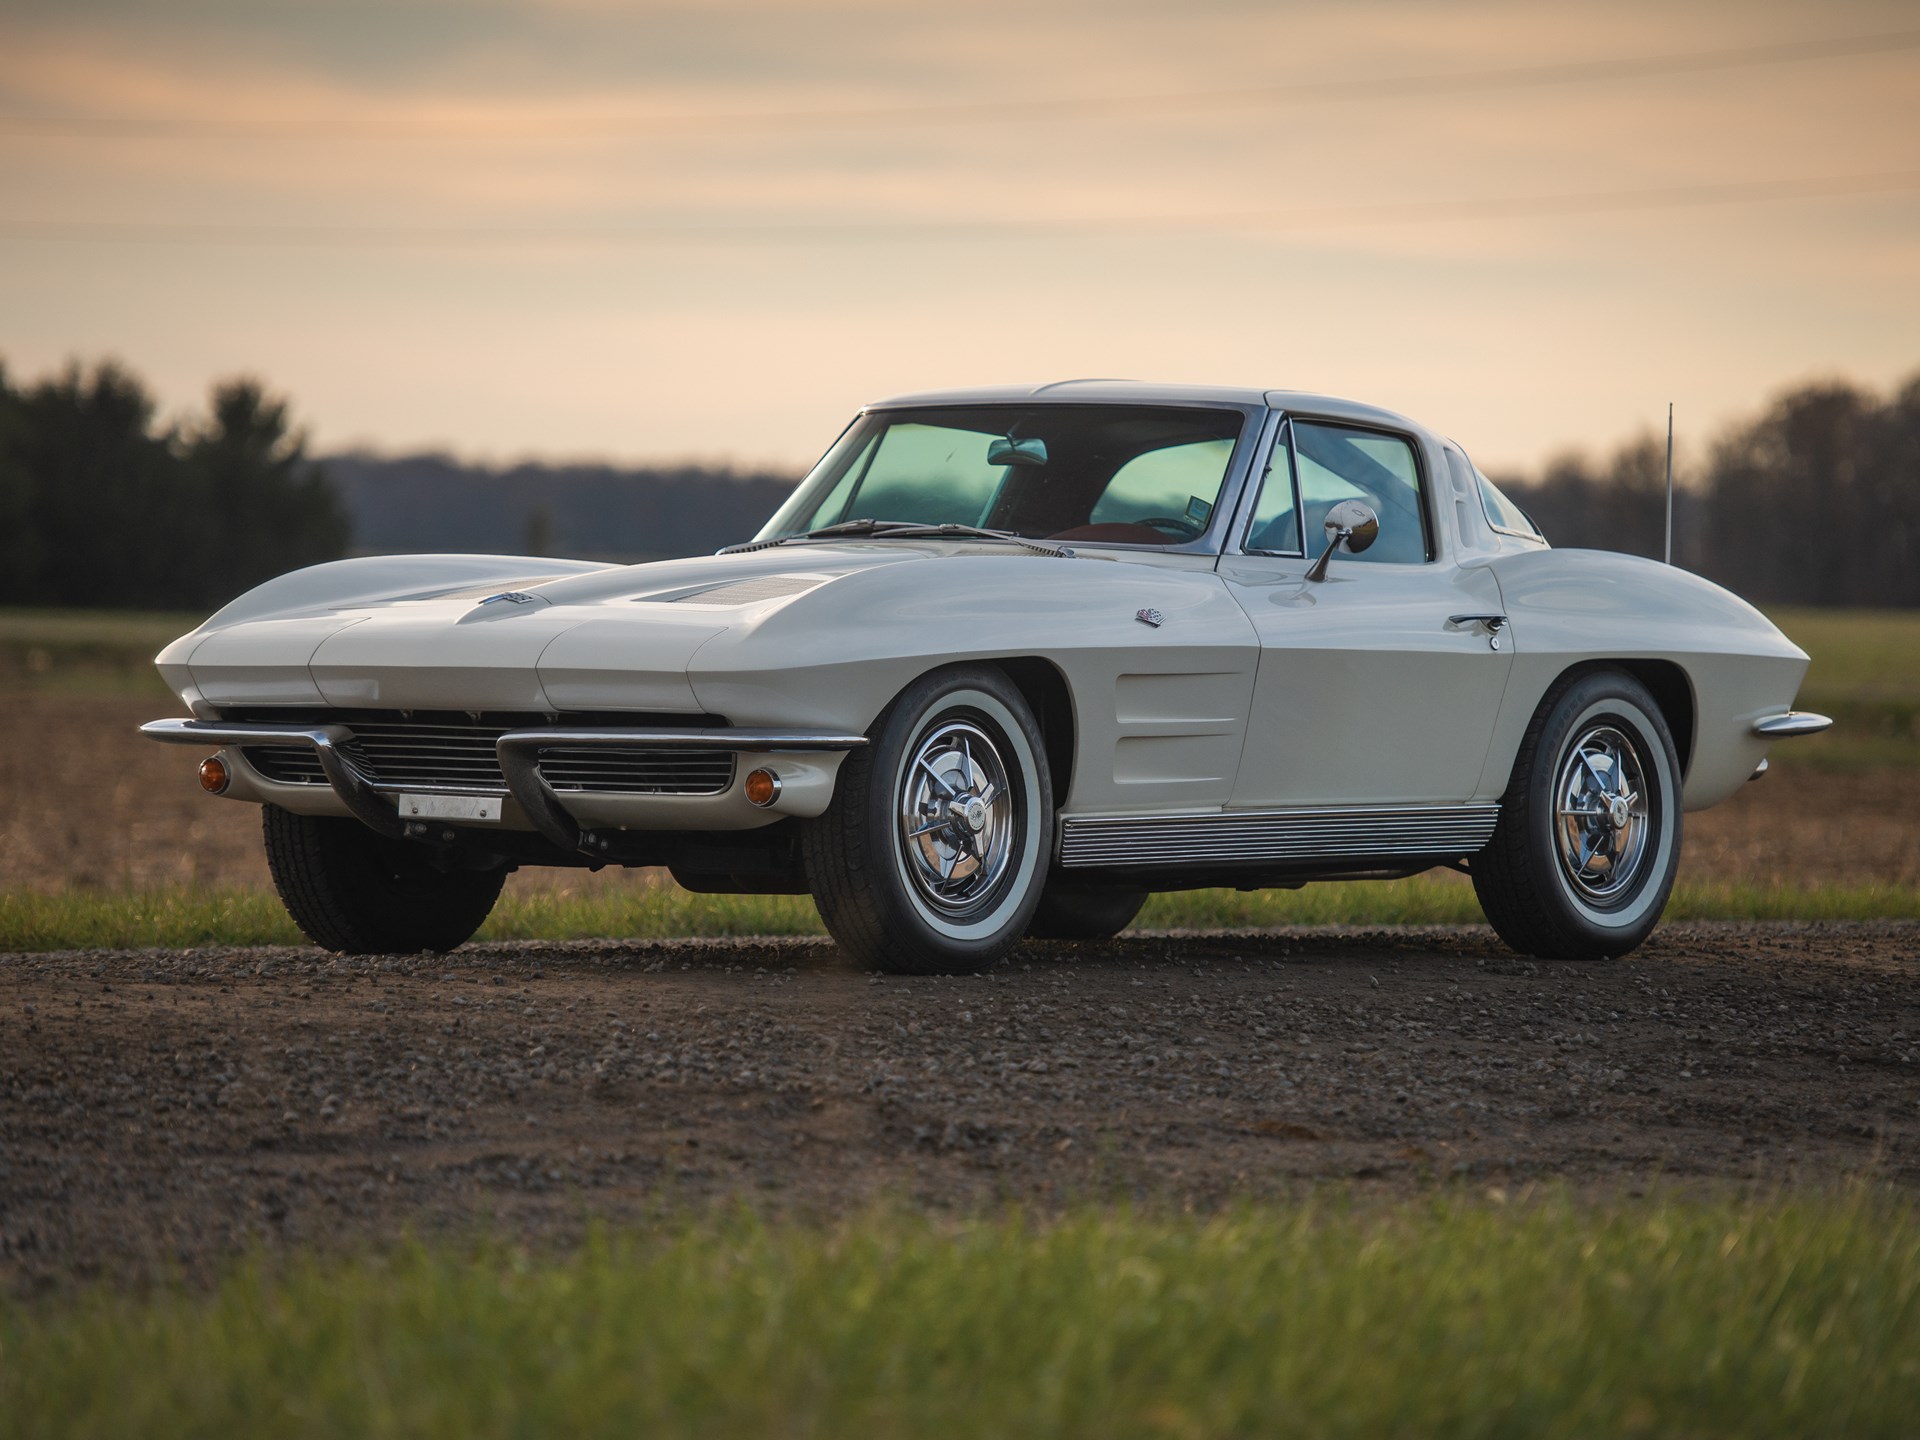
(1253, 407)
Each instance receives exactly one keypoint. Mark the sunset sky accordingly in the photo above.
(711, 228)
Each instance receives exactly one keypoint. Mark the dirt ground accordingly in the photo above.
(161, 1110)
(90, 803)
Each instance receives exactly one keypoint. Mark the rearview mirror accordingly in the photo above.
(1351, 523)
(1009, 451)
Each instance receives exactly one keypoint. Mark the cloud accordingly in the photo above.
(571, 115)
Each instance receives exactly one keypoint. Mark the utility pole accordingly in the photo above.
(1669, 482)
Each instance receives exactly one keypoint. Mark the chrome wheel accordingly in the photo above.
(1583, 859)
(1601, 821)
(957, 821)
(931, 858)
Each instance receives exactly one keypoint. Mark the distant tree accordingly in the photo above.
(1814, 502)
(1818, 501)
(103, 499)
(100, 506)
(22, 550)
(267, 509)
(1893, 498)
(1618, 506)
(405, 504)
(539, 532)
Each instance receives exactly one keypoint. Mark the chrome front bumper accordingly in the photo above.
(518, 752)
(1794, 722)
(1782, 727)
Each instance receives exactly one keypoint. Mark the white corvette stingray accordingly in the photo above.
(1006, 662)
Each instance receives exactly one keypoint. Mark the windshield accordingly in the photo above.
(1113, 474)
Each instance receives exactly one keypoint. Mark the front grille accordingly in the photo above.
(419, 755)
(289, 764)
(458, 754)
(638, 772)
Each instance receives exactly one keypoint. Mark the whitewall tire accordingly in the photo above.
(932, 855)
(1588, 844)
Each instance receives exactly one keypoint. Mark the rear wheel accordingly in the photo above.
(357, 892)
(1067, 912)
(931, 856)
(1584, 857)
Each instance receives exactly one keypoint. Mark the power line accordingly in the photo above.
(1296, 218)
(1012, 111)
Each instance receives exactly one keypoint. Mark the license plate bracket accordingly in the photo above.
(450, 807)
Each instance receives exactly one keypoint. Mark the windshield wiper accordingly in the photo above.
(905, 530)
(825, 532)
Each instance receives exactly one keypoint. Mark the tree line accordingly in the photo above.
(584, 511)
(1815, 501)
(102, 505)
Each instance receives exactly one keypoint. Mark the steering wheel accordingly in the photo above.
(1181, 525)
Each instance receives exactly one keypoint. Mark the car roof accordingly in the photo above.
(1141, 392)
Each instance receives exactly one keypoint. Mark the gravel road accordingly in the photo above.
(160, 1110)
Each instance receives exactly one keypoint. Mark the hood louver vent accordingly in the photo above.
(748, 592)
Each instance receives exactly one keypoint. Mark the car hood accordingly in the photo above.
(501, 633)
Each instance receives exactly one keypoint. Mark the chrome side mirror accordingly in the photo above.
(1351, 523)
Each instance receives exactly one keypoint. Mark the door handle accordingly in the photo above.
(1491, 625)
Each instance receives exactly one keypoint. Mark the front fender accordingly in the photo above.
(1159, 711)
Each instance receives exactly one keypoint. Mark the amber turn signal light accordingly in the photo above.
(762, 787)
(214, 776)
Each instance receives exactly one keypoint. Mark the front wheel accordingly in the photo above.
(359, 893)
(931, 856)
(1584, 857)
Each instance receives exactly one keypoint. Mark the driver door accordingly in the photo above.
(1368, 691)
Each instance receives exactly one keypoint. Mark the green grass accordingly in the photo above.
(86, 652)
(1858, 655)
(1865, 673)
(181, 917)
(121, 634)
(1442, 1317)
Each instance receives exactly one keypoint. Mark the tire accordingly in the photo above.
(1066, 912)
(1561, 879)
(358, 893)
(879, 888)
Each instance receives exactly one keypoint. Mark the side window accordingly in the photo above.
(1341, 462)
(1502, 513)
(1275, 529)
(1175, 482)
